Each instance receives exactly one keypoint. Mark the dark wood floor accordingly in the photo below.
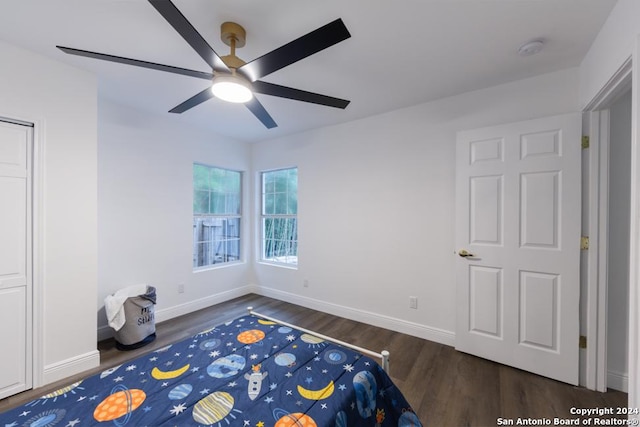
(445, 387)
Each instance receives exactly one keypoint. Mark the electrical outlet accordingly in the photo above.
(413, 302)
(305, 283)
(181, 288)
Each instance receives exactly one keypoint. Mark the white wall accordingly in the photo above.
(145, 186)
(63, 102)
(376, 205)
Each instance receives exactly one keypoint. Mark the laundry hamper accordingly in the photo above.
(139, 328)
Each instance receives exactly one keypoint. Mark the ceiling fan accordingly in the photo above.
(233, 79)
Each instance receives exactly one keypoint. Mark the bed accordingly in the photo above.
(253, 371)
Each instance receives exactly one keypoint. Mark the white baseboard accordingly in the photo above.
(105, 332)
(618, 381)
(410, 328)
(69, 367)
(191, 306)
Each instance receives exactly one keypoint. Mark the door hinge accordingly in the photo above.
(585, 141)
(584, 243)
(582, 343)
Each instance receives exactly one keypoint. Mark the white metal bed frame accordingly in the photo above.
(383, 355)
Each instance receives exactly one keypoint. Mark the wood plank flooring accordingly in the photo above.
(445, 387)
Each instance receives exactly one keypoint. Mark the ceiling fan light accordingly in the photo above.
(231, 88)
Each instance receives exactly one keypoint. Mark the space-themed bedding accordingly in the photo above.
(249, 372)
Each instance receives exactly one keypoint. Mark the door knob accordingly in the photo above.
(464, 253)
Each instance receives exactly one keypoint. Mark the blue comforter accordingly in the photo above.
(249, 372)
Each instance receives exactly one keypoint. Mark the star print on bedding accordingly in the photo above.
(249, 372)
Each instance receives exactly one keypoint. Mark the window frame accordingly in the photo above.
(224, 216)
(263, 216)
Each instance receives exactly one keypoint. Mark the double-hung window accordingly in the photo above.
(279, 218)
(217, 215)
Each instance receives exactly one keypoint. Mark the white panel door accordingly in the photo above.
(518, 194)
(15, 258)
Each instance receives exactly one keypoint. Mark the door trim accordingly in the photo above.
(597, 271)
(38, 215)
(634, 250)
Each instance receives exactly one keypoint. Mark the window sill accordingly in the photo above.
(218, 266)
(279, 264)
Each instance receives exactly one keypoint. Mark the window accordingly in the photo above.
(280, 216)
(217, 216)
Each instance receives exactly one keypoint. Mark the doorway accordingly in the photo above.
(606, 218)
(618, 232)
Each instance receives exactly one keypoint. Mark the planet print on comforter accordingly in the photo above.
(242, 373)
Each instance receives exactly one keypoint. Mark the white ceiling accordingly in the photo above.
(401, 53)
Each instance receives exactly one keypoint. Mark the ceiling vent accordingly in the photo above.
(531, 48)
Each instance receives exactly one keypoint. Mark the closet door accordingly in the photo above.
(15, 258)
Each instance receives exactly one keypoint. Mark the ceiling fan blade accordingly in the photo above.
(136, 62)
(197, 99)
(313, 42)
(299, 95)
(259, 111)
(177, 20)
